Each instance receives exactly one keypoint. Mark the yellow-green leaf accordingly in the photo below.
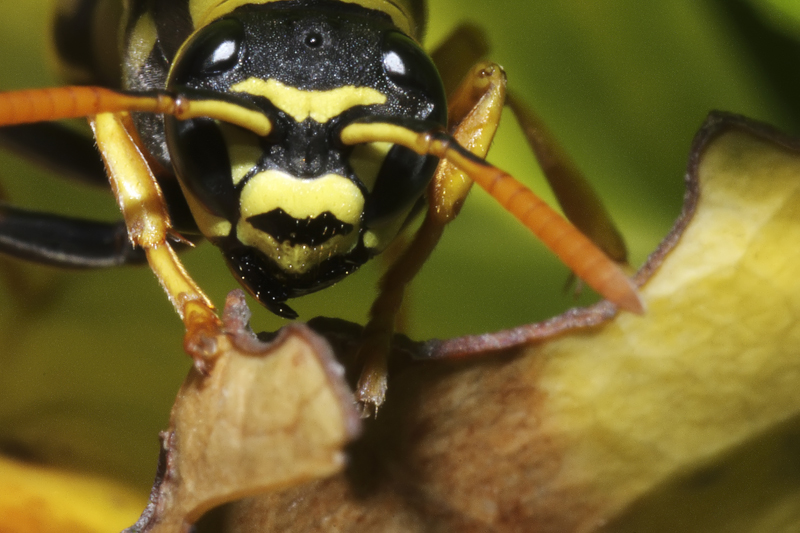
(34, 499)
(684, 419)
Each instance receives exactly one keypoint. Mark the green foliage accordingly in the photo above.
(91, 364)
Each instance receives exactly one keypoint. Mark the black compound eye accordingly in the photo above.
(214, 50)
(200, 156)
(408, 66)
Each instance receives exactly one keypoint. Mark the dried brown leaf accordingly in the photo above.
(268, 416)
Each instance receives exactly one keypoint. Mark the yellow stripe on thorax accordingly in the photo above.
(320, 106)
(205, 11)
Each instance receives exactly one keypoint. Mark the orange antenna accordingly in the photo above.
(39, 105)
(571, 246)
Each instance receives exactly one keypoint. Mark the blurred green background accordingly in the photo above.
(91, 360)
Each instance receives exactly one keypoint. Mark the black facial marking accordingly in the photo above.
(272, 286)
(309, 231)
(255, 273)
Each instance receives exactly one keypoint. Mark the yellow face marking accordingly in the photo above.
(378, 238)
(243, 151)
(208, 224)
(320, 106)
(371, 240)
(298, 259)
(300, 198)
(367, 159)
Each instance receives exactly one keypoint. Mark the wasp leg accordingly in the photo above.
(581, 204)
(476, 108)
(454, 59)
(65, 242)
(571, 246)
(72, 154)
(446, 195)
(134, 185)
(148, 223)
(458, 53)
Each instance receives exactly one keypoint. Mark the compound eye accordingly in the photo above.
(214, 50)
(408, 66)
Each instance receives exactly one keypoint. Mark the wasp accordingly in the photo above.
(300, 137)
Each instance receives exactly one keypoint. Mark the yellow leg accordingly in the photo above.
(581, 204)
(455, 59)
(475, 108)
(140, 199)
(458, 53)
(132, 180)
